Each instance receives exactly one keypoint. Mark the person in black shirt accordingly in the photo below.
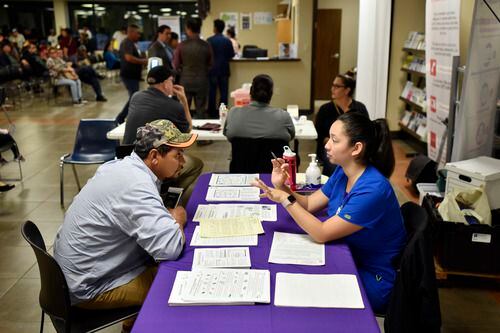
(342, 91)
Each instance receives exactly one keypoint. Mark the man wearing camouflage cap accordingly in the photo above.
(118, 223)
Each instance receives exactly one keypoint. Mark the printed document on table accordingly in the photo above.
(223, 211)
(296, 249)
(233, 194)
(196, 240)
(232, 179)
(318, 291)
(235, 226)
(224, 257)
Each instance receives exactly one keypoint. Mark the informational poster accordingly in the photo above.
(442, 28)
(474, 129)
(231, 20)
(174, 22)
(262, 18)
(245, 21)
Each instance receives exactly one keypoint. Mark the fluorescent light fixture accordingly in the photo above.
(195, 15)
(143, 6)
(143, 10)
(154, 16)
(133, 12)
(138, 17)
(100, 8)
(183, 13)
(5, 6)
(87, 5)
(165, 9)
(178, 12)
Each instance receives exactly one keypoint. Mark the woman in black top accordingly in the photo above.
(342, 91)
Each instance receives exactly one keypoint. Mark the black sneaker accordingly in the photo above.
(101, 99)
(6, 187)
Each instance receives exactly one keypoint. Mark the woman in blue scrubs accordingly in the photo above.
(362, 207)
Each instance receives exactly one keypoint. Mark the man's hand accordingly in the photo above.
(180, 93)
(179, 214)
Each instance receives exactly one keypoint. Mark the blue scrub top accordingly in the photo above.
(371, 204)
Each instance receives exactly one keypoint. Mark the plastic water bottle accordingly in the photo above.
(291, 159)
(313, 173)
(222, 114)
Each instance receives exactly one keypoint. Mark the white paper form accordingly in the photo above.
(230, 227)
(232, 179)
(223, 241)
(233, 194)
(296, 249)
(222, 211)
(225, 257)
(228, 286)
(318, 291)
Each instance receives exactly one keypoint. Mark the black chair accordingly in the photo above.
(414, 304)
(54, 296)
(254, 155)
(9, 145)
(124, 150)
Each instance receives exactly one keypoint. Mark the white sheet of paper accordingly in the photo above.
(222, 211)
(232, 179)
(318, 291)
(230, 227)
(223, 241)
(296, 249)
(233, 194)
(224, 257)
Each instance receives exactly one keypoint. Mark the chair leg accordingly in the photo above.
(41, 323)
(61, 182)
(76, 177)
(20, 169)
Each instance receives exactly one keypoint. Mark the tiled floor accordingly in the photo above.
(45, 132)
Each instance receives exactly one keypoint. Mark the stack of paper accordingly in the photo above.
(233, 194)
(223, 211)
(232, 179)
(224, 257)
(296, 249)
(235, 226)
(318, 291)
(196, 240)
(221, 287)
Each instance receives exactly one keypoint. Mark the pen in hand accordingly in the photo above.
(276, 158)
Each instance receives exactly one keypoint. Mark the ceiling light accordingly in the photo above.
(143, 6)
(143, 10)
(100, 8)
(165, 9)
(195, 15)
(87, 5)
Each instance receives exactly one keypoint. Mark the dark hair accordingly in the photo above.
(160, 30)
(219, 25)
(231, 32)
(375, 136)
(262, 88)
(349, 81)
(133, 26)
(174, 36)
(143, 154)
(194, 25)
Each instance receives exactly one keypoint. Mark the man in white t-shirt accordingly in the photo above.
(118, 37)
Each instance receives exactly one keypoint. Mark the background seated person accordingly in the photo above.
(87, 73)
(164, 100)
(111, 58)
(362, 207)
(259, 120)
(64, 75)
(342, 101)
(118, 223)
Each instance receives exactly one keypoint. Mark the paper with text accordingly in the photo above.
(230, 227)
(222, 211)
(318, 291)
(196, 240)
(232, 179)
(233, 194)
(296, 249)
(224, 257)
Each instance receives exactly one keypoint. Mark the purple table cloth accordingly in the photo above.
(157, 316)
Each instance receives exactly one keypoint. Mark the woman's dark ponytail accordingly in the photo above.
(375, 136)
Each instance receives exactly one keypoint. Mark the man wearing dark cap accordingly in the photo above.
(158, 102)
(118, 223)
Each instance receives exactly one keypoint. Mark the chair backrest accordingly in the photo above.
(254, 155)
(54, 293)
(91, 143)
(124, 150)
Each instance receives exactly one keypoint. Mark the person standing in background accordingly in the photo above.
(52, 38)
(131, 66)
(69, 46)
(160, 48)
(118, 37)
(174, 40)
(193, 59)
(219, 73)
(232, 37)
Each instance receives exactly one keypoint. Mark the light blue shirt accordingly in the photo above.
(112, 229)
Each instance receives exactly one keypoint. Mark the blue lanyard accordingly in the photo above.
(344, 201)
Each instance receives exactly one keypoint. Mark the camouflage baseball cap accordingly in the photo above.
(162, 132)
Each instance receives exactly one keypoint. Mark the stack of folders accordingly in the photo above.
(232, 187)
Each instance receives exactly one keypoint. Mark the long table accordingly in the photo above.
(304, 130)
(157, 316)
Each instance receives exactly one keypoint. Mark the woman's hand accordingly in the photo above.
(280, 172)
(271, 193)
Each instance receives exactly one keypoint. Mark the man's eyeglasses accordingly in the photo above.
(337, 86)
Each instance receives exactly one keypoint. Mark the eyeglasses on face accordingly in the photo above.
(337, 86)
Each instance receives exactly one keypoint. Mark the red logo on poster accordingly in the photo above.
(433, 140)
(433, 104)
(433, 67)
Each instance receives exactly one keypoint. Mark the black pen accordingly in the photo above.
(276, 158)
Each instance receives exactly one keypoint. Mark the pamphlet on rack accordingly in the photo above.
(232, 179)
(224, 257)
(233, 194)
(223, 211)
(221, 287)
(296, 249)
(318, 291)
(197, 240)
(230, 227)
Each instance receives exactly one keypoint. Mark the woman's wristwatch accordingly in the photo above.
(288, 201)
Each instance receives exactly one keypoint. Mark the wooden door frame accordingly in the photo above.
(313, 56)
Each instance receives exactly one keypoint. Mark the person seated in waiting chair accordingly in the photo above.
(118, 223)
(64, 75)
(87, 73)
(259, 120)
(110, 57)
(7, 139)
(362, 207)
